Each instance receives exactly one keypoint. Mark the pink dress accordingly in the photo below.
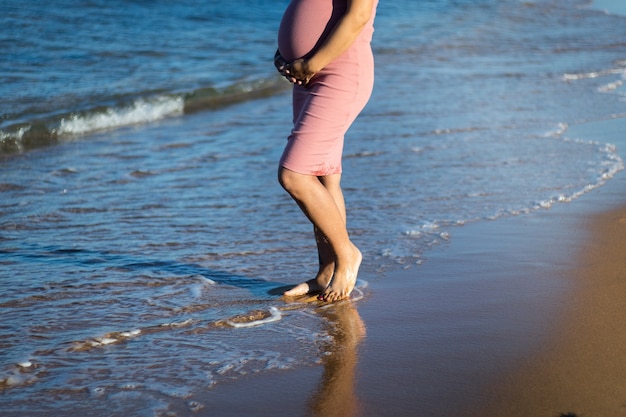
(324, 109)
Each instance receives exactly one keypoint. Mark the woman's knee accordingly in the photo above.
(287, 179)
(294, 183)
(281, 176)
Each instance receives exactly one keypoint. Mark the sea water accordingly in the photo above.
(142, 231)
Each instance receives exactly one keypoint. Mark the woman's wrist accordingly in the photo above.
(302, 71)
(312, 66)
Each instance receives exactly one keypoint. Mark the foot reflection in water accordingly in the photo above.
(335, 394)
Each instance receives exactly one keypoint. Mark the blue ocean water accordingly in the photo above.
(141, 226)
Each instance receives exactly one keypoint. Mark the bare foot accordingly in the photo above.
(313, 286)
(344, 278)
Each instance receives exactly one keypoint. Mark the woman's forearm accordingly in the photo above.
(344, 34)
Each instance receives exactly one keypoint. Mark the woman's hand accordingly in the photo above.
(300, 71)
(296, 72)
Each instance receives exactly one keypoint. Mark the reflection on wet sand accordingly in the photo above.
(335, 394)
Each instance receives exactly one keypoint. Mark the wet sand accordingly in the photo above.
(535, 328)
(581, 370)
(522, 316)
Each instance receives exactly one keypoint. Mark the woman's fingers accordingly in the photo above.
(295, 72)
(298, 72)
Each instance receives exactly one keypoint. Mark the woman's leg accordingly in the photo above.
(322, 202)
(332, 183)
(325, 252)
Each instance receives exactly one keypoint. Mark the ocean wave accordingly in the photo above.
(139, 112)
(143, 110)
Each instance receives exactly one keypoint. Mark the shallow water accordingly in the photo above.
(140, 220)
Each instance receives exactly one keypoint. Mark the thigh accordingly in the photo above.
(322, 113)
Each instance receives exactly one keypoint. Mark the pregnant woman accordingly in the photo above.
(324, 50)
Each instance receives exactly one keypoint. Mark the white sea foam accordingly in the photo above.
(177, 324)
(592, 74)
(275, 315)
(105, 340)
(18, 375)
(131, 333)
(141, 111)
(560, 129)
(611, 86)
(206, 281)
(606, 88)
(357, 294)
(196, 289)
(17, 379)
(18, 134)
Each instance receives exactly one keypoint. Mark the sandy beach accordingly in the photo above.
(580, 369)
(522, 316)
(540, 319)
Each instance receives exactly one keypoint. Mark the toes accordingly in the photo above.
(331, 297)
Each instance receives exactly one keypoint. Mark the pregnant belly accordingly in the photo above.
(305, 24)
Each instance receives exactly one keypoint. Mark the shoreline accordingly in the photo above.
(533, 327)
(581, 369)
(502, 320)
